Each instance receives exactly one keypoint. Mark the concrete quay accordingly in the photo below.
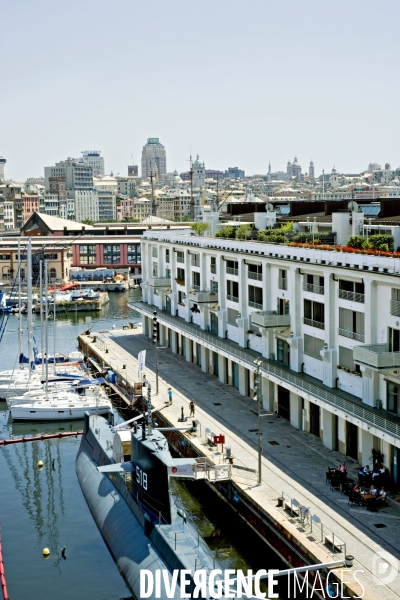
(293, 464)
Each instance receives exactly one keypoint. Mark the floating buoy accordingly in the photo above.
(46, 552)
(40, 464)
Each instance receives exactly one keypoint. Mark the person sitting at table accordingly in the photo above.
(356, 489)
(373, 490)
(375, 475)
(366, 470)
(342, 471)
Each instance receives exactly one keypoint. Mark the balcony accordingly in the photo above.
(255, 305)
(195, 262)
(270, 318)
(213, 269)
(352, 296)
(180, 259)
(353, 335)
(161, 282)
(232, 271)
(254, 275)
(395, 308)
(315, 289)
(202, 296)
(232, 298)
(282, 283)
(376, 356)
(313, 323)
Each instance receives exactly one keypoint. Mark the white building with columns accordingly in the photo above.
(325, 324)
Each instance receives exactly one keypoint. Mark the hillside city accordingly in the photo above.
(79, 189)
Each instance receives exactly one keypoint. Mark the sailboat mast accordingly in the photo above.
(54, 328)
(19, 303)
(46, 329)
(29, 292)
(41, 314)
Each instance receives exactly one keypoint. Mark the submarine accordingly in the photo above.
(124, 474)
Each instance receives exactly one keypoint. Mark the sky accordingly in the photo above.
(240, 83)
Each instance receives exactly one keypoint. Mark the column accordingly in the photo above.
(243, 380)
(365, 445)
(204, 358)
(195, 350)
(146, 326)
(222, 368)
(328, 430)
(296, 406)
(342, 435)
(189, 350)
(174, 342)
(268, 394)
(230, 372)
(162, 333)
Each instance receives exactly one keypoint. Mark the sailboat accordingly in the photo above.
(63, 405)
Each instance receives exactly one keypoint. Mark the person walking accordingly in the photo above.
(170, 395)
(192, 406)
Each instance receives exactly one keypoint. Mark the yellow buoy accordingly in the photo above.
(40, 464)
(46, 552)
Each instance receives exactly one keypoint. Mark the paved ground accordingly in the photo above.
(295, 463)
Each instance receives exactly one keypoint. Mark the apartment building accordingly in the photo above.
(325, 324)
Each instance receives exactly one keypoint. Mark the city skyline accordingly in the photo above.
(238, 87)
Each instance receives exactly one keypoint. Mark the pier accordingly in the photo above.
(294, 505)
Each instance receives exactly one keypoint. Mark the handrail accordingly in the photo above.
(367, 414)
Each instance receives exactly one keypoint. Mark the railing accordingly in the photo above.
(313, 323)
(155, 281)
(353, 335)
(270, 318)
(282, 283)
(376, 355)
(213, 268)
(154, 253)
(180, 259)
(353, 296)
(231, 271)
(195, 262)
(297, 381)
(232, 298)
(395, 308)
(195, 287)
(315, 289)
(254, 275)
(255, 305)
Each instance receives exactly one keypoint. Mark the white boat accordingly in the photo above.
(88, 391)
(62, 409)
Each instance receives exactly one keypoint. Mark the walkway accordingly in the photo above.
(294, 462)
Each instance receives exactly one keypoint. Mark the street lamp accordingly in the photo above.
(258, 399)
(155, 335)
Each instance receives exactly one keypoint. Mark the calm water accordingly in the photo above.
(45, 508)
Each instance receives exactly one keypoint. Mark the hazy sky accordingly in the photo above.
(239, 82)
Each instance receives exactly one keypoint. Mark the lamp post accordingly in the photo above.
(155, 335)
(258, 399)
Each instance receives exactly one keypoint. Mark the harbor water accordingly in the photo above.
(44, 508)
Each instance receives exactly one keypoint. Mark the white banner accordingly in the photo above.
(181, 471)
(141, 360)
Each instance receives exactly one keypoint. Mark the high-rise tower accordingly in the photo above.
(311, 174)
(153, 155)
(2, 163)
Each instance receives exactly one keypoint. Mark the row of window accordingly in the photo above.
(111, 254)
